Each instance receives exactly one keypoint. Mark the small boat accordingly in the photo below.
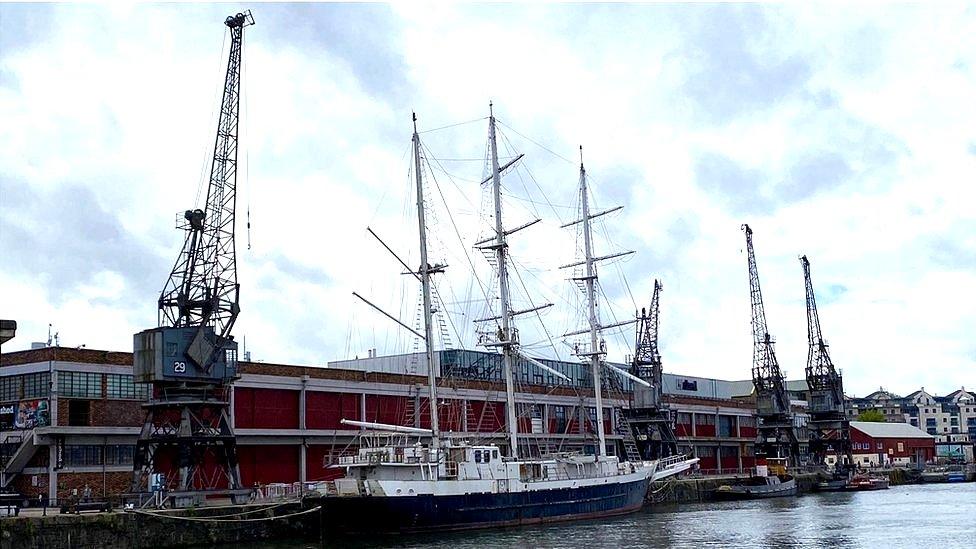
(757, 487)
(861, 483)
(956, 476)
(832, 485)
(949, 473)
(761, 485)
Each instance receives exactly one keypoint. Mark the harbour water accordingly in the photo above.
(932, 515)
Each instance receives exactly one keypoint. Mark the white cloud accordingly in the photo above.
(119, 101)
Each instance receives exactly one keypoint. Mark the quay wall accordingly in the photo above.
(176, 528)
(694, 490)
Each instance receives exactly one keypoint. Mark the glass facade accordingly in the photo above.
(483, 366)
(123, 386)
(25, 386)
(80, 384)
(91, 455)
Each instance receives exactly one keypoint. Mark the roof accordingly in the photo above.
(889, 430)
(742, 387)
(960, 394)
(797, 385)
(881, 393)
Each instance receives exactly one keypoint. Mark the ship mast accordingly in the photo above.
(505, 340)
(425, 271)
(590, 280)
(596, 351)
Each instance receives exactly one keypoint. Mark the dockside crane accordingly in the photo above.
(650, 420)
(187, 446)
(829, 427)
(777, 437)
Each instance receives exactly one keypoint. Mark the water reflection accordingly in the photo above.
(940, 515)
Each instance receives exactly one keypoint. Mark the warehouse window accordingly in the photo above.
(37, 385)
(704, 419)
(124, 387)
(119, 455)
(80, 384)
(80, 456)
(88, 455)
(9, 388)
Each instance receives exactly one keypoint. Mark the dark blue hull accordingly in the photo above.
(427, 513)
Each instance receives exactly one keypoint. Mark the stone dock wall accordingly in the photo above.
(694, 490)
(182, 528)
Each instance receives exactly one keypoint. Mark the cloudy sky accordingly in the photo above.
(846, 134)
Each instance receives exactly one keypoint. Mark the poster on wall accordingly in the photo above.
(32, 413)
(7, 414)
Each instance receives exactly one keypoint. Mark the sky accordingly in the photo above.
(845, 134)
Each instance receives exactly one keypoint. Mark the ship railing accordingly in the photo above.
(725, 471)
(669, 461)
(280, 491)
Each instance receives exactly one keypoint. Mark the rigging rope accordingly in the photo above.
(536, 143)
(454, 125)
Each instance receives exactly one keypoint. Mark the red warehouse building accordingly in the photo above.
(877, 443)
(70, 417)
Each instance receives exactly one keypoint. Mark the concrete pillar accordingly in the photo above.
(694, 431)
(52, 473)
(231, 411)
(302, 468)
(464, 415)
(53, 400)
(301, 404)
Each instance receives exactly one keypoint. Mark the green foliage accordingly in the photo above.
(871, 415)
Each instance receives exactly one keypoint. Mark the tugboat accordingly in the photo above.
(762, 484)
(407, 479)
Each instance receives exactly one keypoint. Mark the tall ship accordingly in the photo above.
(408, 479)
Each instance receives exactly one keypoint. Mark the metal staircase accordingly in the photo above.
(16, 461)
(622, 428)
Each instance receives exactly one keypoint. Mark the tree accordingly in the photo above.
(873, 415)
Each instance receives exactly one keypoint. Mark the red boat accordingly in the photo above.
(863, 482)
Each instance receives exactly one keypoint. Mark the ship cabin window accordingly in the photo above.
(477, 456)
(494, 454)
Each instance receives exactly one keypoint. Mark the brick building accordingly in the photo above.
(894, 444)
(70, 417)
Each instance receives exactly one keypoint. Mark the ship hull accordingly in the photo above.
(430, 513)
(784, 489)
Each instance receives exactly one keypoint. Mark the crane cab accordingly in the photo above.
(183, 354)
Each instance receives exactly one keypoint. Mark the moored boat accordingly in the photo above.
(762, 484)
(408, 479)
(407, 488)
(758, 487)
(860, 483)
